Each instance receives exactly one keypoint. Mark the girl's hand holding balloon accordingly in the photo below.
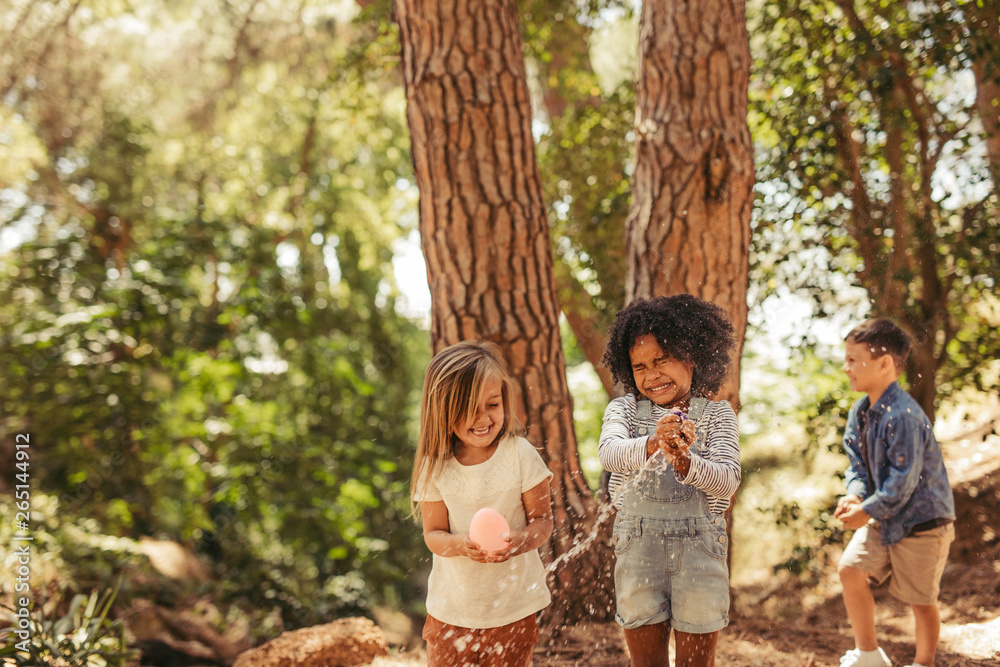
(515, 539)
(473, 551)
(489, 533)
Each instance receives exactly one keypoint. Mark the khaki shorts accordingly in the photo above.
(915, 563)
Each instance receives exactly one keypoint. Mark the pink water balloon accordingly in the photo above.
(486, 528)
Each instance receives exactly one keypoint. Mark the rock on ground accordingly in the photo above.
(347, 642)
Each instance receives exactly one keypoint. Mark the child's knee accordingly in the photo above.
(851, 574)
(924, 610)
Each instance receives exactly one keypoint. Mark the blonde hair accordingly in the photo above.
(453, 390)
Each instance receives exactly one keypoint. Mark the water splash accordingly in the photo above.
(607, 510)
(657, 463)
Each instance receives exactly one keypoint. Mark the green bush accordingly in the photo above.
(85, 635)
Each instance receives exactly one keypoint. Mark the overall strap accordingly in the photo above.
(644, 418)
(653, 491)
(697, 407)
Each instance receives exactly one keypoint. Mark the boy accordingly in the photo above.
(898, 497)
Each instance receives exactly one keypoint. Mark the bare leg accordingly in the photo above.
(928, 629)
(696, 650)
(649, 645)
(860, 604)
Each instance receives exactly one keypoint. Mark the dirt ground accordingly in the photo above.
(794, 626)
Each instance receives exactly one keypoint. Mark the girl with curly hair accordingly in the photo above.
(674, 458)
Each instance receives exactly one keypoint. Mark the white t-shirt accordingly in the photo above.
(468, 594)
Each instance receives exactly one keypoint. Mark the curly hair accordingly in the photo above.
(687, 328)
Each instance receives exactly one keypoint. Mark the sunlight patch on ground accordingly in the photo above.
(401, 660)
(967, 429)
(975, 640)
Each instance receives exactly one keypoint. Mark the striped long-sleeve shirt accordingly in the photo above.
(715, 470)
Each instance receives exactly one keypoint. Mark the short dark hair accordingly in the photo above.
(687, 328)
(882, 336)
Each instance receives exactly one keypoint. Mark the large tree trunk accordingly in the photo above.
(485, 238)
(689, 228)
(692, 192)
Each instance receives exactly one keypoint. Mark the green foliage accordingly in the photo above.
(589, 402)
(871, 167)
(814, 398)
(199, 203)
(791, 428)
(85, 635)
(827, 417)
(197, 325)
(809, 559)
(71, 555)
(588, 149)
(584, 155)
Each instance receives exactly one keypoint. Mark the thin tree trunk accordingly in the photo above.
(583, 319)
(984, 48)
(567, 44)
(922, 372)
(890, 268)
(988, 105)
(689, 228)
(485, 238)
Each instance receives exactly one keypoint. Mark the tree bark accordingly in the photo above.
(485, 237)
(988, 105)
(689, 228)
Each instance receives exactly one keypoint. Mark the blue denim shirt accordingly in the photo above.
(905, 482)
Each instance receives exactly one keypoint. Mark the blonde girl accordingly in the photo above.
(481, 606)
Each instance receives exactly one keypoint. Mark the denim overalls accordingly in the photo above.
(670, 551)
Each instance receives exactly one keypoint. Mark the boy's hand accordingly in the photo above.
(853, 516)
(845, 503)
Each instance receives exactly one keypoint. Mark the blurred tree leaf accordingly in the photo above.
(871, 168)
(197, 311)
